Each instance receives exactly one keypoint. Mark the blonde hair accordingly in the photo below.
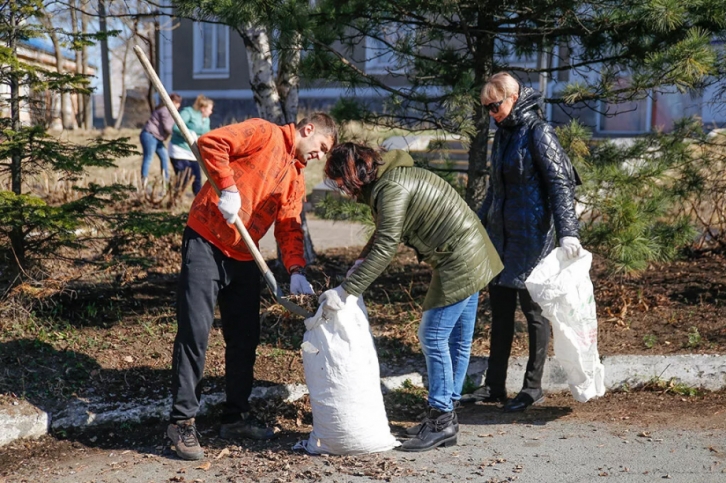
(499, 86)
(202, 101)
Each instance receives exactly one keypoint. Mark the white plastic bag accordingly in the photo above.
(564, 291)
(342, 375)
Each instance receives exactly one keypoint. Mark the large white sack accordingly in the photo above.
(342, 375)
(563, 289)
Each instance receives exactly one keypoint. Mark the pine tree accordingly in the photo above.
(441, 53)
(34, 228)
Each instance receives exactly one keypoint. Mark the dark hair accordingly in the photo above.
(174, 98)
(355, 165)
(323, 124)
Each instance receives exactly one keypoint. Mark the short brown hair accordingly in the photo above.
(355, 165)
(175, 97)
(499, 86)
(323, 123)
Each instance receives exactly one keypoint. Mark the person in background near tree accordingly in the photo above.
(258, 166)
(416, 207)
(530, 198)
(196, 118)
(156, 130)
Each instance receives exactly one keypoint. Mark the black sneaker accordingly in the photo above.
(484, 394)
(414, 430)
(185, 438)
(438, 429)
(247, 426)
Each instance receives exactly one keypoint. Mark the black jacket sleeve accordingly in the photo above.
(556, 170)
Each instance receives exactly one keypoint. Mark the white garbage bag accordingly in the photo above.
(563, 289)
(342, 375)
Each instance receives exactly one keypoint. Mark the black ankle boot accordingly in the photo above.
(414, 430)
(438, 429)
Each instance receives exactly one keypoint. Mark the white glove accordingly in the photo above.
(300, 285)
(352, 269)
(333, 299)
(229, 205)
(571, 246)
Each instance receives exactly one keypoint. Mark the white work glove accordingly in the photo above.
(229, 205)
(571, 246)
(333, 299)
(300, 285)
(352, 269)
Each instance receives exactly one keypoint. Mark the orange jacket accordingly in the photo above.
(258, 157)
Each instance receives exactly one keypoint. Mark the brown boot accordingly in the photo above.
(185, 438)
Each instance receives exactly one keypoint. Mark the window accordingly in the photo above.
(632, 117)
(380, 57)
(211, 51)
(505, 53)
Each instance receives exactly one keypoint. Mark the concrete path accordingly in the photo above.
(325, 234)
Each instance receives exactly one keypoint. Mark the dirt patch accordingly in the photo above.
(109, 331)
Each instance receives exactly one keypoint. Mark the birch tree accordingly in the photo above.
(275, 85)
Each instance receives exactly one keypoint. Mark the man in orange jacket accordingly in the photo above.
(258, 167)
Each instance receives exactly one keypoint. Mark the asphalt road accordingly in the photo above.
(548, 445)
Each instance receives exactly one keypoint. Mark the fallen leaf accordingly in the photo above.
(222, 453)
(204, 466)
(128, 359)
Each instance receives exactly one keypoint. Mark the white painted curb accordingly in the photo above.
(703, 371)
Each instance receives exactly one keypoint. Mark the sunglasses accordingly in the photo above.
(493, 107)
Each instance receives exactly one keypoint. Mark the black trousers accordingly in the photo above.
(180, 165)
(504, 303)
(207, 277)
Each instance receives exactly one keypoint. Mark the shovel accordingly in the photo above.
(266, 273)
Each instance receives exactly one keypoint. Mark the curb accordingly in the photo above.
(27, 421)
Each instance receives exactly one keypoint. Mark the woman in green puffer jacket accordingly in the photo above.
(418, 208)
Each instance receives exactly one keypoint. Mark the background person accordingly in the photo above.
(196, 118)
(416, 207)
(157, 130)
(258, 166)
(530, 198)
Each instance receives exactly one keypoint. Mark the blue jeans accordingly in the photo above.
(446, 334)
(150, 145)
(180, 165)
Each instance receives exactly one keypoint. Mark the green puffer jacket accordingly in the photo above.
(416, 207)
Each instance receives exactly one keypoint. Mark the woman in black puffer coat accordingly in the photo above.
(530, 199)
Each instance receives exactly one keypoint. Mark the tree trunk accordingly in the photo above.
(479, 147)
(288, 80)
(154, 41)
(122, 102)
(79, 67)
(66, 104)
(262, 81)
(87, 104)
(107, 106)
(16, 175)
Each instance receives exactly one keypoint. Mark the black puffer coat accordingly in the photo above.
(531, 191)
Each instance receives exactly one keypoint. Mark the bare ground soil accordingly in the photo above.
(108, 328)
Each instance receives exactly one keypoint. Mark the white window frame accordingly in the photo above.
(379, 56)
(215, 72)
